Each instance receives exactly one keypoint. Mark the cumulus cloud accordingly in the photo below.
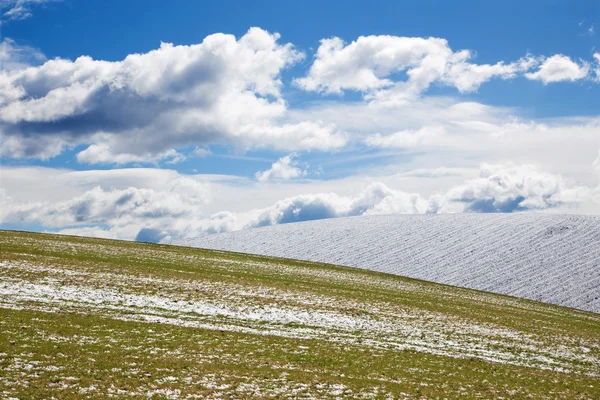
(378, 199)
(20, 9)
(389, 70)
(507, 188)
(369, 64)
(177, 210)
(560, 68)
(113, 207)
(283, 169)
(222, 90)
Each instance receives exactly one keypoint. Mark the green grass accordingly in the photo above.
(92, 318)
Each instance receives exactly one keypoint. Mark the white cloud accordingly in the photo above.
(508, 188)
(369, 64)
(407, 138)
(223, 90)
(283, 169)
(102, 154)
(13, 56)
(136, 207)
(201, 152)
(432, 172)
(597, 68)
(390, 70)
(20, 9)
(147, 107)
(41, 147)
(467, 77)
(378, 199)
(433, 132)
(596, 166)
(176, 208)
(560, 68)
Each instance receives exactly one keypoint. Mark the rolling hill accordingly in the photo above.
(549, 258)
(93, 318)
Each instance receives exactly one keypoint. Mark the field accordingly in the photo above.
(549, 258)
(92, 318)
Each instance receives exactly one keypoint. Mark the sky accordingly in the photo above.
(157, 121)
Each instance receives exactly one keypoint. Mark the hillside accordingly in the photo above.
(550, 258)
(92, 318)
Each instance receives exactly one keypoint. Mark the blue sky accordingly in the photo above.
(417, 107)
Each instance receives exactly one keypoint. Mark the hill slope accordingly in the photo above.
(550, 258)
(91, 318)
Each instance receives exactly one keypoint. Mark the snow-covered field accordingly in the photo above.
(550, 258)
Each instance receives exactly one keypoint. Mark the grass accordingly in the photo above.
(93, 318)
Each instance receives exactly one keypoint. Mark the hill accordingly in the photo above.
(92, 318)
(549, 258)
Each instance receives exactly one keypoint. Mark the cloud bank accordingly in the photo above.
(177, 210)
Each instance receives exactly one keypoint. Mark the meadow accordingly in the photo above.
(95, 318)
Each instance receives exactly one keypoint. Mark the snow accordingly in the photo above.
(53, 289)
(549, 258)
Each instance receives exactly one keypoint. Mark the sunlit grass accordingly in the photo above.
(178, 322)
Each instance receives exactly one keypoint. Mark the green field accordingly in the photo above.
(92, 318)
